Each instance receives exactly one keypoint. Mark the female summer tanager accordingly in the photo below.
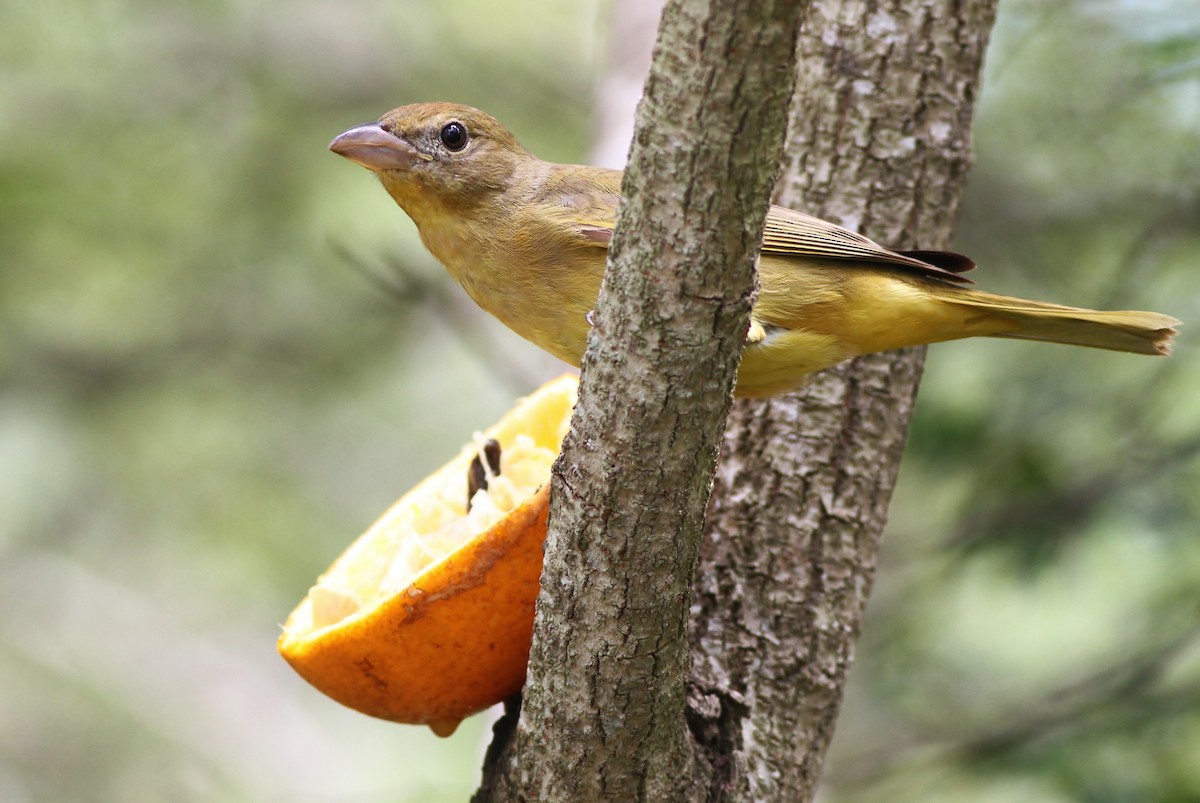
(527, 240)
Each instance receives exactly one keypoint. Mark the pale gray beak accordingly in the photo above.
(374, 148)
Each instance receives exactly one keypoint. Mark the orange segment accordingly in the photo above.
(427, 617)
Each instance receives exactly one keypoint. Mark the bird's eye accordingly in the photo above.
(454, 136)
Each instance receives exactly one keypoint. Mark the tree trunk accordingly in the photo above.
(877, 141)
(603, 710)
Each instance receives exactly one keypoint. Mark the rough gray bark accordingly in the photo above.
(603, 712)
(879, 142)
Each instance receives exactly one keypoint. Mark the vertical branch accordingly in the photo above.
(603, 713)
(878, 141)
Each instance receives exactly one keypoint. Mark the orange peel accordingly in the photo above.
(427, 617)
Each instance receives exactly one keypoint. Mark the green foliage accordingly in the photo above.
(202, 398)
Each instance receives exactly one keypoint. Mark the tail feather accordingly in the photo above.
(1123, 330)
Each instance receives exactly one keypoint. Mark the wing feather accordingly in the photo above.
(591, 210)
(792, 233)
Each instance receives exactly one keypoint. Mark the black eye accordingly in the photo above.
(454, 136)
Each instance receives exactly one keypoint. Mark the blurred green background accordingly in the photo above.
(223, 352)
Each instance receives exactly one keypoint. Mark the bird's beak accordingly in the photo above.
(374, 148)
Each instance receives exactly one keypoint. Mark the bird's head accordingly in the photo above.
(436, 154)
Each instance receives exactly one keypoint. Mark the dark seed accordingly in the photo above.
(476, 475)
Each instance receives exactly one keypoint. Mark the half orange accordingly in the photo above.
(427, 617)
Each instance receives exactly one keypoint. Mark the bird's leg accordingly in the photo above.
(756, 333)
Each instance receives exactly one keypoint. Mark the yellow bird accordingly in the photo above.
(527, 240)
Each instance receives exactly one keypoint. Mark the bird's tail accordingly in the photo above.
(1125, 330)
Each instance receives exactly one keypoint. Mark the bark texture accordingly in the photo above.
(603, 712)
(879, 142)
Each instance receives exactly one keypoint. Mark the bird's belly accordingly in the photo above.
(783, 360)
(537, 306)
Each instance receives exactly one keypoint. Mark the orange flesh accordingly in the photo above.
(427, 617)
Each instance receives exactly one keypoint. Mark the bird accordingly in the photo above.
(527, 240)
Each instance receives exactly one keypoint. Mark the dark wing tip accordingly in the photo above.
(946, 260)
